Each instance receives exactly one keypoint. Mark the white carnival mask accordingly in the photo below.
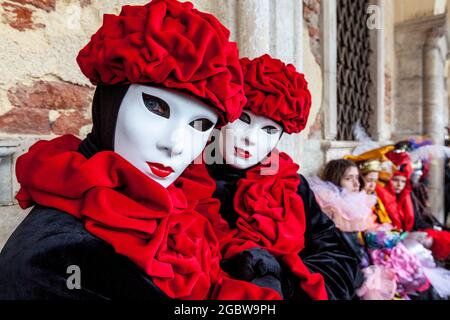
(161, 131)
(249, 140)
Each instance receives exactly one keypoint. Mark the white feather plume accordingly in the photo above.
(429, 152)
(366, 143)
(439, 277)
(440, 280)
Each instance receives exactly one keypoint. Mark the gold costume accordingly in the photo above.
(381, 213)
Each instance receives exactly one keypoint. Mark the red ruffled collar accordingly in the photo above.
(271, 216)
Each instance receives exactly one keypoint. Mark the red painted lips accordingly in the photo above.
(160, 170)
(242, 153)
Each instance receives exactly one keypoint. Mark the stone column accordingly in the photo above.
(10, 213)
(286, 43)
(254, 27)
(226, 12)
(435, 56)
(287, 35)
(273, 27)
(7, 149)
(329, 65)
(377, 69)
(422, 47)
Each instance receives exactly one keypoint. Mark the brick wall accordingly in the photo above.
(42, 91)
(311, 15)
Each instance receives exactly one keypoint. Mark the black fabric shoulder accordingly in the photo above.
(326, 251)
(39, 258)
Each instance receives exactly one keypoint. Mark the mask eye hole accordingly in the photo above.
(202, 124)
(245, 118)
(156, 105)
(270, 129)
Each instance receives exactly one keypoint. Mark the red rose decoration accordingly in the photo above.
(168, 43)
(271, 214)
(277, 91)
(191, 249)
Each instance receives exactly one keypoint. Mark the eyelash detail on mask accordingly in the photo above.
(202, 124)
(245, 118)
(156, 105)
(270, 129)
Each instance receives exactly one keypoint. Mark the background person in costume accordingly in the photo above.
(267, 202)
(351, 209)
(342, 178)
(370, 167)
(123, 205)
(421, 155)
(396, 194)
(338, 194)
(420, 162)
(388, 267)
(398, 199)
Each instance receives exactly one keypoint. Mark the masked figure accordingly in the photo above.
(268, 204)
(125, 207)
(396, 194)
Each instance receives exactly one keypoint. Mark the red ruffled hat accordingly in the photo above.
(402, 162)
(171, 44)
(277, 91)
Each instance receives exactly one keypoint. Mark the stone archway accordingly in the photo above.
(421, 107)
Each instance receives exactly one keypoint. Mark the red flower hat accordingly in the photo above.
(277, 91)
(171, 44)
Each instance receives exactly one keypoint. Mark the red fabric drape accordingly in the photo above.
(158, 229)
(399, 207)
(271, 216)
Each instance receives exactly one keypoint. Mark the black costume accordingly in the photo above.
(325, 251)
(34, 263)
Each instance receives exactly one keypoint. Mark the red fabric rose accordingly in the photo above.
(271, 213)
(168, 43)
(277, 91)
